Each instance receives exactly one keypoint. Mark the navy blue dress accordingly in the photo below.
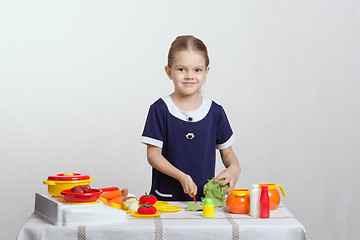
(189, 141)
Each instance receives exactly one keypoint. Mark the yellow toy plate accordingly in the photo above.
(161, 203)
(168, 209)
(137, 215)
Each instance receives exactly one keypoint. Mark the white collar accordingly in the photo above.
(189, 116)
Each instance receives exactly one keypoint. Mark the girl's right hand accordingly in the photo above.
(188, 185)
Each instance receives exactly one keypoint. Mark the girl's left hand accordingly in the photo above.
(232, 171)
(230, 176)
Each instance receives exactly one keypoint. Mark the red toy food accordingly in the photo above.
(147, 209)
(77, 189)
(86, 188)
(81, 189)
(147, 198)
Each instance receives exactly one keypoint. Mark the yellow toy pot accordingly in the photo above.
(59, 182)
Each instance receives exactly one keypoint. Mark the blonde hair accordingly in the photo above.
(187, 42)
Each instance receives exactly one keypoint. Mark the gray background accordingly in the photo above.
(77, 78)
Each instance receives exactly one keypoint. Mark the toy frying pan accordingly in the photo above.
(91, 196)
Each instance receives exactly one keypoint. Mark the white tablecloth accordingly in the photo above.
(181, 225)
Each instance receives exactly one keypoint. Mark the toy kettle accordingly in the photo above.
(274, 194)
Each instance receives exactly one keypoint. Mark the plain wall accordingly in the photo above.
(77, 79)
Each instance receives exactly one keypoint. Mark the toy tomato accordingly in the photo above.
(147, 209)
(147, 198)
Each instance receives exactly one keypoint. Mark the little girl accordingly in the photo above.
(183, 130)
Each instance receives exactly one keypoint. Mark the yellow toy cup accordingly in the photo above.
(59, 182)
(208, 208)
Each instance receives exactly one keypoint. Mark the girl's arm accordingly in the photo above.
(232, 172)
(157, 160)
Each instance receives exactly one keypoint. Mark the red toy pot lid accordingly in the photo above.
(69, 177)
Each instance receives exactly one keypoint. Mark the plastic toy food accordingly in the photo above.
(117, 200)
(127, 201)
(114, 197)
(124, 192)
(192, 206)
(238, 201)
(111, 194)
(147, 198)
(215, 192)
(77, 189)
(114, 193)
(133, 206)
(147, 209)
(81, 189)
(86, 188)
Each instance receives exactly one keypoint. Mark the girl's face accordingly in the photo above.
(188, 72)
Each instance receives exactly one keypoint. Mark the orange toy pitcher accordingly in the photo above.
(238, 201)
(274, 194)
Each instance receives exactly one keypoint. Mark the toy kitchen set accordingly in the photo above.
(69, 204)
(71, 201)
(73, 210)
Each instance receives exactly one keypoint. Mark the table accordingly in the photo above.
(181, 225)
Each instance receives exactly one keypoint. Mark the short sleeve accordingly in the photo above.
(153, 133)
(224, 133)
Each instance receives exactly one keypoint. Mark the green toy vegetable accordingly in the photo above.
(215, 192)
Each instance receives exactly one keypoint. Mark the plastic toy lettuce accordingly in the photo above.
(194, 207)
(215, 192)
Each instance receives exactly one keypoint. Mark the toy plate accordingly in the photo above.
(168, 209)
(137, 215)
(161, 203)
